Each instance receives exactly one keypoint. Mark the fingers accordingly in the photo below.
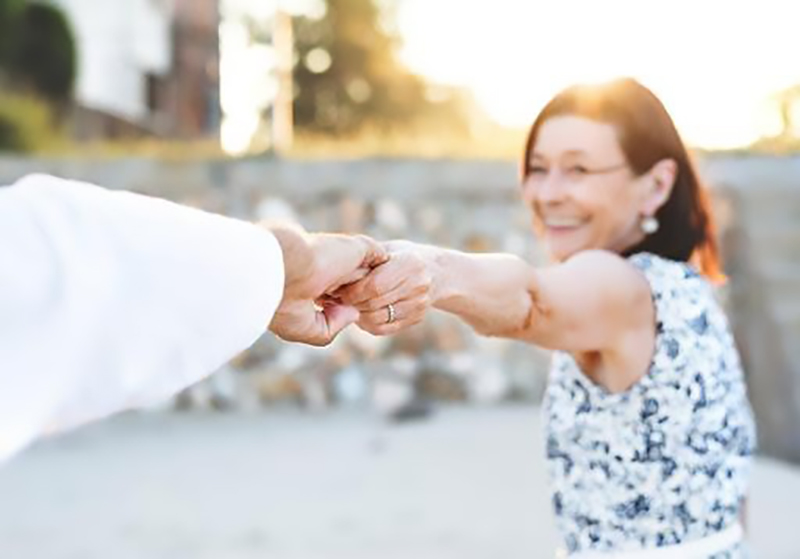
(353, 277)
(384, 279)
(406, 310)
(408, 289)
(375, 253)
(342, 259)
(407, 313)
(332, 320)
(302, 321)
(404, 276)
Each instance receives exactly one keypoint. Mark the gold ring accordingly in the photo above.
(392, 313)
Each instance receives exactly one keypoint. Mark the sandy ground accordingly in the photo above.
(468, 483)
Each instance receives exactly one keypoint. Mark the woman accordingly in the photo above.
(649, 431)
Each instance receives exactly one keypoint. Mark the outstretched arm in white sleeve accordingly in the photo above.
(112, 300)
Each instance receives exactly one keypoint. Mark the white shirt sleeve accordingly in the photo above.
(112, 300)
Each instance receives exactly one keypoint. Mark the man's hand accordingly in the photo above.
(316, 265)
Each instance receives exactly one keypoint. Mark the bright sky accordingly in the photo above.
(714, 63)
(245, 69)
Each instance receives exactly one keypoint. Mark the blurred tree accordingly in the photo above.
(26, 124)
(37, 74)
(347, 75)
(787, 102)
(9, 15)
(42, 56)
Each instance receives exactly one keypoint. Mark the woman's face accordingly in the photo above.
(581, 190)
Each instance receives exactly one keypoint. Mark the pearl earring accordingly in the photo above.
(649, 225)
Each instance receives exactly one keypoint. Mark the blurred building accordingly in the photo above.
(146, 68)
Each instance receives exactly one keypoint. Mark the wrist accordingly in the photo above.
(298, 258)
(444, 283)
(435, 260)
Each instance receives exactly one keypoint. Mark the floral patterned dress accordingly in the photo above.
(668, 460)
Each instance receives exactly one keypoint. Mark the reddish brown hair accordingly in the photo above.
(647, 135)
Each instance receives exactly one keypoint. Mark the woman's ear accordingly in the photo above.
(660, 181)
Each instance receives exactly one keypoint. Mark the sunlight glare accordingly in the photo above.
(714, 64)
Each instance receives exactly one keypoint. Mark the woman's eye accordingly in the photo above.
(537, 170)
(577, 170)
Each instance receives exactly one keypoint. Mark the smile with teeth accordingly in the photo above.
(563, 222)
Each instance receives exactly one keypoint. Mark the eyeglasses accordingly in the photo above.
(572, 173)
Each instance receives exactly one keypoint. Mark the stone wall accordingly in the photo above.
(762, 248)
(472, 205)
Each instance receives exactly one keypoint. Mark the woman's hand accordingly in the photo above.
(395, 295)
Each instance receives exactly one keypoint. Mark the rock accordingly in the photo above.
(526, 368)
(439, 379)
(448, 334)
(365, 345)
(295, 357)
(516, 243)
(414, 410)
(315, 393)
(476, 242)
(226, 389)
(413, 341)
(462, 364)
(492, 346)
(350, 386)
(221, 391)
(195, 397)
(489, 384)
(391, 218)
(431, 221)
(352, 215)
(443, 386)
(275, 209)
(391, 393)
(276, 386)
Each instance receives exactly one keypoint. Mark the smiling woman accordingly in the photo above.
(649, 431)
(626, 184)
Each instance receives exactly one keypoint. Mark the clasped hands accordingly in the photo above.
(333, 281)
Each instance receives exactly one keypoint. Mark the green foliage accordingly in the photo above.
(43, 54)
(10, 11)
(347, 75)
(26, 124)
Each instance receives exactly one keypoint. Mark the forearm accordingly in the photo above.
(491, 292)
(116, 300)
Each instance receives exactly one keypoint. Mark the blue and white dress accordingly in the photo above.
(667, 461)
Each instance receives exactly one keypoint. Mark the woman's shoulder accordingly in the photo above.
(665, 274)
(678, 289)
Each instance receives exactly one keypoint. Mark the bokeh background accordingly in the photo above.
(401, 119)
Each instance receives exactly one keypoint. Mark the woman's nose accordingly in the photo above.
(545, 189)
